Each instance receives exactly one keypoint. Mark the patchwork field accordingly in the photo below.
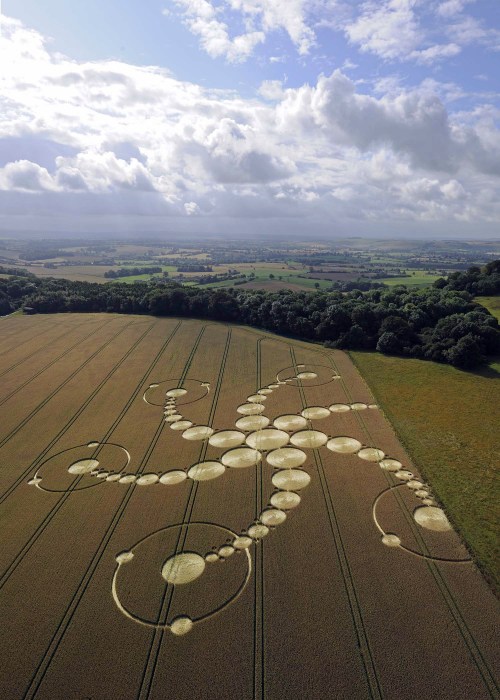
(191, 510)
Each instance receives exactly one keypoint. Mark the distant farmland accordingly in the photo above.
(196, 510)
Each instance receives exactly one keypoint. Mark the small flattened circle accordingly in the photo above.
(182, 625)
(267, 439)
(250, 409)
(241, 457)
(404, 475)
(181, 425)
(175, 393)
(176, 476)
(285, 500)
(252, 422)
(242, 542)
(272, 517)
(113, 477)
(390, 465)
(257, 398)
(198, 432)
(290, 422)
(173, 418)
(226, 551)
(227, 438)
(183, 568)
(83, 466)
(286, 457)
(147, 479)
(339, 408)
(291, 479)
(265, 392)
(432, 518)
(206, 471)
(414, 484)
(344, 445)
(124, 557)
(307, 375)
(315, 413)
(359, 406)
(127, 479)
(309, 438)
(258, 531)
(371, 454)
(391, 540)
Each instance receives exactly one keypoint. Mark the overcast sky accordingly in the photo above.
(313, 117)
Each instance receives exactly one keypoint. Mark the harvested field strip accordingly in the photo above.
(26, 420)
(354, 603)
(467, 636)
(79, 593)
(158, 634)
(47, 366)
(46, 521)
(76, 415)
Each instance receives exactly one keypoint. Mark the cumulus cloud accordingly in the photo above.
(389, 29)
(109, 139)
(207, 20)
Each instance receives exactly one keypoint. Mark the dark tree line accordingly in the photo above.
(440, 323)
(132, 271)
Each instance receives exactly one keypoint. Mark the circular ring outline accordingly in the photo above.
(202, 618)
(185, 403)
(301, 383)
(428, 557)
(96, 482)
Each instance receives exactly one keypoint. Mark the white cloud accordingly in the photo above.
(450, 8)
(436, 52)
(271, 90)
(98, 141)
(208, 21)
(389, 29)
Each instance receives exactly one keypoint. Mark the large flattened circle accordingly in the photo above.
(252, 423)
(344, 445)
(290, 422)
(241, 458)
(310, 439)
(286, 458)
(291, 480)
(267, 439)
(432, 518)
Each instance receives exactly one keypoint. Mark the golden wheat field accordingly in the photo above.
(192, 510)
